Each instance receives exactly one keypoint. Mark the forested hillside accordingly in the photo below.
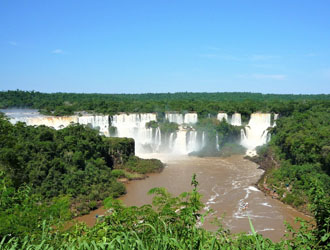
(75, 164)
(202, 103)
(298, 159)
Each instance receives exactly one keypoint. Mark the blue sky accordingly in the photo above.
(165, 46)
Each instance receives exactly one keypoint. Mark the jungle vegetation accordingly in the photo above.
(45, 175)
(202, 103)
(300, 157)
(75, 162)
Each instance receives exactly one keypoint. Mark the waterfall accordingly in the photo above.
(56, 122)
(217, 142)
(100, 122)
(180, 144)
(243, 136)
(150, 139)
(171, 141)
(192, 143)
(236, 119)
(275, 118)
(134, 126)
(203, 139)
(256, 133)
(222, 116)
(158, 139)
(174, 117)
(190, 118)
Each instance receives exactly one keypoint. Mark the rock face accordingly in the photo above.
(151, 139)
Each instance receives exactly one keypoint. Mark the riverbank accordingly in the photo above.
(226, 184)
(268, 162)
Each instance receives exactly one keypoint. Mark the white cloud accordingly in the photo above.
(57, 51)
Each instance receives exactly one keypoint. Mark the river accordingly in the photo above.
(228, 188)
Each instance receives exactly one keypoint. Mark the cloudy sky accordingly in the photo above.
(165, 46)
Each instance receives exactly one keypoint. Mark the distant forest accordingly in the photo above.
(202, 103)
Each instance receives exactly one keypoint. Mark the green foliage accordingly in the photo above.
(301, 142)
(168, 127)
(202, 103)
(152, 124)
(305, 137)
(171, 223)
(121, 149)
(23, 213)
(118, 173)
(228, 138)
(143, 166)
(73, 161)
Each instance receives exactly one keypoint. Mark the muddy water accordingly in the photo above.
(227, 186)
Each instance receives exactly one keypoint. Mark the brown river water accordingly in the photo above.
(228, 188)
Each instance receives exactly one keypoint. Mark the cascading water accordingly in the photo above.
(275, 118)
(222, 116)
(192, 143)
(190, 118)
(180, 144)
(96, 121)
(182, 141)
(134, 126)
(56, 122)
(158, 138)
(174, 117)
(256, 133)
(217, 142)
(236, 119)
(203, 139)
(171, 141)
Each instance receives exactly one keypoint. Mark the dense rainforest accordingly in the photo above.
(46, 175)
(75, 164)
(202, 103)
(297, 163)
